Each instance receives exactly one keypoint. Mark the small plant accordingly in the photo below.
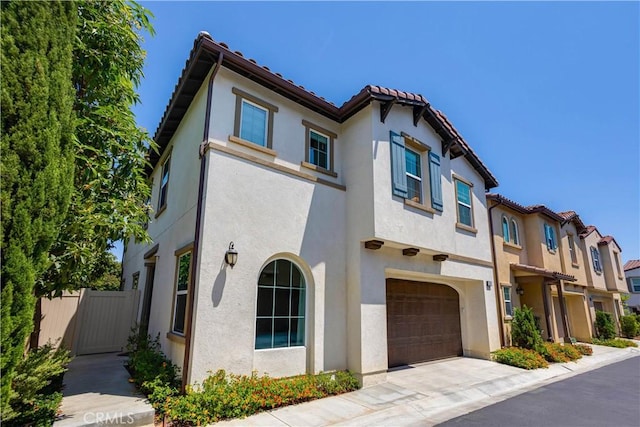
(604, 325)
(36, 387)
(520, 358)
(629, 326)
(585, 350)
(554, 353)
(524, 330)
(615, 342)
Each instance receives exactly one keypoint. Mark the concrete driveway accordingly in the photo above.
(430, 393)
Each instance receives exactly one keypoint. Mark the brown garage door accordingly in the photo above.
(423, 322)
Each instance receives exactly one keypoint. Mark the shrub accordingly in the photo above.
(524, 331)
(520, 358)
(584, 349)
(554, 353)
(604, 325)
(629, 326)
(37, 386)
(224, 395)
(615, 342)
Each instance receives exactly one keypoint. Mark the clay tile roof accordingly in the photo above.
(206, 51)
(525, 209)
(567, 214)
(608, 239)
(542, 271)
(588, 230)
(632, 264)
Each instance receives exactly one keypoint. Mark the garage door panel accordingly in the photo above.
(423, 322)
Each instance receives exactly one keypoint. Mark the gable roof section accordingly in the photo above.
(632, 264)
(572, 216)
(526, 210)
(608, 239)
(206, 52)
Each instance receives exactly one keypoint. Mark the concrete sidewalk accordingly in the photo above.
(430, 393)
(97, 392)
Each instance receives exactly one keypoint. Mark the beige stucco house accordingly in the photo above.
(632, 274)
(605, 276)
(360, 232)
(539, 264)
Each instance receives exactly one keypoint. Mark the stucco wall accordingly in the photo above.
(578, 270)
(613, 275)
(595, 279)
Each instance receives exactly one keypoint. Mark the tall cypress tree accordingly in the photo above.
(37, 158)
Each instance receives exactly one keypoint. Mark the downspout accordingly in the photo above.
(495, 272)
(196, 238)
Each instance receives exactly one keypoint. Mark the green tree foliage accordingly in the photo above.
(524, 332)
(604, 325)
(111, 185)
(107, 271)
(37, 159)
(629, 326)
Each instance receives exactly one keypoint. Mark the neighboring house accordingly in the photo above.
(533, 247)
(605, 276)
(361, 231)
(632, 274)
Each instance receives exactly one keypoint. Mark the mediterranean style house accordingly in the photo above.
(632, 273)
(291, 235)
(554, 264)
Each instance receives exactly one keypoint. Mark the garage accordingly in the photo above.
(423, 322)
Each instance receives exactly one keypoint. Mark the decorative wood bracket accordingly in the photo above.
(446, 145)
(418, 111)
(373, 244)
(440, 257)
(410, 251)
(385, 107)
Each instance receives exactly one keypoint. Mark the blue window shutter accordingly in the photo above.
(398, 165)
(547, 236)
(436, 181)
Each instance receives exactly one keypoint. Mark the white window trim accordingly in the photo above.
(459, 224)
(328, 138)
(266, 121)
(506, 237)
(166, 165)
(187, 250)
(637, 283)
(420, 156)
(515, 237)
(510, 300)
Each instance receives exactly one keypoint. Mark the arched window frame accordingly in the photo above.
(505, 228)
(515, 232)
(271, 319)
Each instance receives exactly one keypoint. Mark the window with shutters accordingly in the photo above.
(550, 237)
(415, 171)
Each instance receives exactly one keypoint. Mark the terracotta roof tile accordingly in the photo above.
(608, 239)
(632, 264)
(542, 271)
(567, 214)
(525, 209)
(588, 230)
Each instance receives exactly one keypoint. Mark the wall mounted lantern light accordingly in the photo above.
(231, 256)
(520, 290)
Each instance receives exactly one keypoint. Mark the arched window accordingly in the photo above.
(515, 238)
(505, 229)
(280, 312)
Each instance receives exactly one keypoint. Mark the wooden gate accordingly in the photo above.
(89, 321)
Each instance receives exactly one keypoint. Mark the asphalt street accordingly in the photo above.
(608, 396)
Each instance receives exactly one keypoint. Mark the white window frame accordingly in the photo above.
(635, 284)
(459, 203)
(572, 249)
(266, 121)
(505, 230)
(514, 232)
(166, 171)
(328, 166)
(616, 257)
(412, 176)
(188, 250)
(509, 301)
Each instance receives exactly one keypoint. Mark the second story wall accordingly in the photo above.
(573, 258)
(595, 278)
(612, 267)
(513, 249)
(417, 218)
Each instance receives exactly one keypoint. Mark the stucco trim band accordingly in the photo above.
(221, 148)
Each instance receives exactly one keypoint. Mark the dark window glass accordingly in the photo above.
(265, 301)
(181, 306)
(264, 333)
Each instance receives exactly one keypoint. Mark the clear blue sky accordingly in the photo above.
(546, 93)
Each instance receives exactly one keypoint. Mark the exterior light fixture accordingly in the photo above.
(231, 256)
(519, 290)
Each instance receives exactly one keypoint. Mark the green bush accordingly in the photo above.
(554, 353)
(584, 349)
(36, 387)
(629, 326)
(520, 358)
(223, 395)
(604, 325)
(524, 331)
(615, 342)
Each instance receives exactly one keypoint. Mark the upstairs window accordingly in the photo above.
(254, 119)
(616, 256)
(164, 185)
(505, 228)
(515, 236)
(595, 259)
(319, 149)
(635, 284)
(414, 175)
(465, 208)
(572, 249)
(409, 158)
(550, 237)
